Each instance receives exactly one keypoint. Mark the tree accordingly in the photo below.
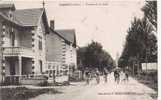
(141, 42)
(93, 56)
(150, 12)
(81, 57)
(138, 41)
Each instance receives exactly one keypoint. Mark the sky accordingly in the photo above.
(106, 22)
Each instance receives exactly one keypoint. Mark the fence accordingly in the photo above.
(24, 79)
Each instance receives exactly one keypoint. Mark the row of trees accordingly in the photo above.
(93, 56)
(141, 40)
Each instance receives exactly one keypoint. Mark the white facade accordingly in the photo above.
(39, 55)
(24, 50)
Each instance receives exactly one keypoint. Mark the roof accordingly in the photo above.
(5, 6)
(67, 34)
(28, 17)
(9, 20)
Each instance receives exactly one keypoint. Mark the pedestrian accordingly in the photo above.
(117, 76)
(122, 76)
(126, 76)
(97, 73)
(87, 77)
(115, 73)
(105, 75)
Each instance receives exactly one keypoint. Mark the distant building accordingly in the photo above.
(61, 51)
(23, 40)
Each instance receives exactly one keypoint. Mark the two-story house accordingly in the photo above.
(61, 51)
(22, 40)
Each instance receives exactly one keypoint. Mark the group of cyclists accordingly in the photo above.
(95, 74)
(124, 74)
(92, 74)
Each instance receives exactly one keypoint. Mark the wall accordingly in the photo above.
(58, 51)
(55, 52)
(71, 56)
(7, 68)
(0, 64)
(39, 54)
(74, 56)
(54, 48)
(0, 50)
(6, 39)
(25, 38)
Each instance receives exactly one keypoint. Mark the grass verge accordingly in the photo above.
(23, 93)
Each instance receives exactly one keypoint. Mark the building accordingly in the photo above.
(61, 51)
(22, 40)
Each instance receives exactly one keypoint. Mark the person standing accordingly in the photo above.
(87, 77)
(117, 76)
(122, 76)
(126, 76)
(105, 75)
(97, 76)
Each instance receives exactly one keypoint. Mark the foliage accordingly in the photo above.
(150, 12)
(141, 43)
(93, 56)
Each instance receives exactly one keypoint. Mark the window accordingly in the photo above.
(40, 43)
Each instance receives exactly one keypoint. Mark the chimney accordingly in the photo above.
(52, 24)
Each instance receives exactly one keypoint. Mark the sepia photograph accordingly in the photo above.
(79, 50)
